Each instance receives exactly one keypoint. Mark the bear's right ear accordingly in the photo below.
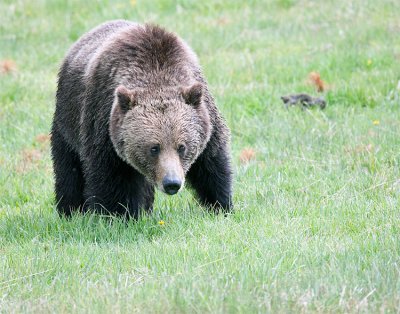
(126, 98)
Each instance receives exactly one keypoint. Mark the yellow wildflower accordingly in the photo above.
(369, 62)
(161, 222)
(376, 122)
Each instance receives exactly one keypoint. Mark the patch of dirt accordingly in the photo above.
(7, 66)
(43, 138)
(247, 155)
(314, 79)
(30, 159)
(359, 149)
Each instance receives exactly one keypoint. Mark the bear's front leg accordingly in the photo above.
(117, 190)
(211, 178)
(68, 175)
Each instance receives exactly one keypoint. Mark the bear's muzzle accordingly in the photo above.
(171, 185)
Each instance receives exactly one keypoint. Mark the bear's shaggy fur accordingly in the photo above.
(133, 112)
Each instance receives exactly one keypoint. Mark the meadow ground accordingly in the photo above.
(316, 226)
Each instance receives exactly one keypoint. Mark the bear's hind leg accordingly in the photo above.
(69, 180)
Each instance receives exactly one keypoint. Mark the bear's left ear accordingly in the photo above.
(192, 95)
(126, 98)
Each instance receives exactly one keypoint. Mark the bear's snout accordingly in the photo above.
(171, 185)
(170, 177)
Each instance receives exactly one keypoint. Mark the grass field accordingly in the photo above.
(316, 226)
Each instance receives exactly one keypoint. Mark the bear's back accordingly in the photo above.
(93, 41)
(118, 53)
(72, 82)
(143, 56)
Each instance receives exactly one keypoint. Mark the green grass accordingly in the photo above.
(316, 226)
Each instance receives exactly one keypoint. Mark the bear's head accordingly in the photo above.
(160, 133)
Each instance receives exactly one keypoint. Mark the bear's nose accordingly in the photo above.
(171, 185)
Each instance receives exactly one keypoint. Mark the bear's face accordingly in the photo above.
(160, 135)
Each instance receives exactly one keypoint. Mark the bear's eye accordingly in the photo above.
(181, 149)
(155, 150)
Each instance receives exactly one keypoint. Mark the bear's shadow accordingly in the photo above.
(86, 228)
(48, 225)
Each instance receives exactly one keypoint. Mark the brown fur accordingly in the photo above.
(165, 119)
(123, 89)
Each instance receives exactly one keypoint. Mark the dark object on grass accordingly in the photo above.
(303, 100)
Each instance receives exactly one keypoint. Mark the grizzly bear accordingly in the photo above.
(133, 112)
